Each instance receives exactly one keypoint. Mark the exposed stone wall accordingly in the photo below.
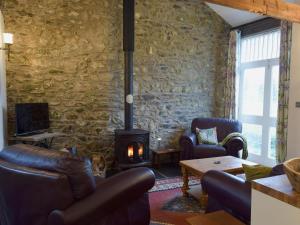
(69, 54)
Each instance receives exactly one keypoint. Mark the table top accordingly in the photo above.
(165, 151)
(227, 164)
(278, 187)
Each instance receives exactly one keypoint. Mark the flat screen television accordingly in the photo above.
(31, 118)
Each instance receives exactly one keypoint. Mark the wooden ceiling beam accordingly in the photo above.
(274, 8)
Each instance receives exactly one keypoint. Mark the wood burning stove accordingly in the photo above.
(132, 148)
(131, 145)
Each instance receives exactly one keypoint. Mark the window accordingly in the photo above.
(258, 93)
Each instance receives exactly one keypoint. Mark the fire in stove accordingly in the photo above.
(135, 153)
(132, 148)
(141, 150)
(130, 151)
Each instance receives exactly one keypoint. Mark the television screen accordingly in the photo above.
(31, 117)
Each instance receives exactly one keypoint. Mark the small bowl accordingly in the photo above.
(292, 170)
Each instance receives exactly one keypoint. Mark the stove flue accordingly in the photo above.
(131, 145)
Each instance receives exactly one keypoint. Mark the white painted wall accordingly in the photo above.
(293, 146)
(3, 104)
(266, 210)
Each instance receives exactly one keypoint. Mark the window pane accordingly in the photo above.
(260, 47)
(253, 133)
(253, 91)
(274, 91)
(272, 143)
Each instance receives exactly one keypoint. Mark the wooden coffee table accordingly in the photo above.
(197, 167)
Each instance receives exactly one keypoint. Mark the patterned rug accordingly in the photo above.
(172, 183)
(182, 204)
(169, 206)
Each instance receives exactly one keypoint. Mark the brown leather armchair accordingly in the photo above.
(191, 149)
(44, 187)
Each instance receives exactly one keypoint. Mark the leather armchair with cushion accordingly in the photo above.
(47, 187)
(191, 149)
(230, 193)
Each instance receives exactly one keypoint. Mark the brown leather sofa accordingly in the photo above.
(46, 187)
(230, 193)
(191, 149)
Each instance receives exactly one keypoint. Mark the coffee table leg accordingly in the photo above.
(185, 177)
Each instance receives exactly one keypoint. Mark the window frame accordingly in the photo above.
(266, 120)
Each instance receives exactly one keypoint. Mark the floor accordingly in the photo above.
(167, 170)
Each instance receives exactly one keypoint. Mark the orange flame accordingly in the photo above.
(130, 151)
(141, 150)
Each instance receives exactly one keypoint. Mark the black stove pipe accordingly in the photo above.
(128, 48)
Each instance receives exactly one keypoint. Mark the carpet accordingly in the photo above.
(169, 206)
(172, 183)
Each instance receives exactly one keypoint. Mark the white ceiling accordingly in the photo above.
(235, 17)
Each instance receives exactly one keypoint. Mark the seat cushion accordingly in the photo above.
(208, 151)
(78, 171)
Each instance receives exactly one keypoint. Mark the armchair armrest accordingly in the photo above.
(187, 141)
(277, 170)
(230, 191)
(233, 146)
(113, 193)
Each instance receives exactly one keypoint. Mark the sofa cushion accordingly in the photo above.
(207, 136)
(208, 151)
(78, 171)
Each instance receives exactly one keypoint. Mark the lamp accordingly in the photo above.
(158, 140)
(8, 39)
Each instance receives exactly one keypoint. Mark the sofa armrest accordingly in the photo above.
(115, 192)
(277, 170)
(233, 146)
(187, 141)
(230, 191)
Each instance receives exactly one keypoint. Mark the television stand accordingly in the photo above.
(44, 139)
(31, 133)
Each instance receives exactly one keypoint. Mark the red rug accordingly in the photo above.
(161, 196)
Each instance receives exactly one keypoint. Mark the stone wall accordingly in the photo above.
(69, 54)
